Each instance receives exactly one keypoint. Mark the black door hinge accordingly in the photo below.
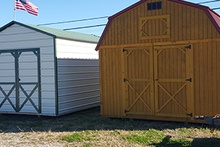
(188, 47)
(189, 80)
(189, 114)
(126, 111)
(124, 50)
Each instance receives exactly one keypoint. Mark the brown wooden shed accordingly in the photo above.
(160, 59)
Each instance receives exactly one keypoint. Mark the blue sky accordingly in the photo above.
(57, 10)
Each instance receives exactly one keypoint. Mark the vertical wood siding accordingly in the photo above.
(206, 78)
(78, 85)
(18, 37)
(187, 23)
(184, 79)
(111, 82)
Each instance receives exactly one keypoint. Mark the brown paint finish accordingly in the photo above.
(160, 64)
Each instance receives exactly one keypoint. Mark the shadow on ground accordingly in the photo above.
(84, 120)
(197, 142)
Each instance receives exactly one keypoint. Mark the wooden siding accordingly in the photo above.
(204, 71)
(19, 37)
(138, 82)
(78, 85)
(111, 85)
(173, 75)
(187, 23)
(206, 78)
(75, 49)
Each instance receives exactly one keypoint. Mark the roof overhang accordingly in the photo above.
(212, 15)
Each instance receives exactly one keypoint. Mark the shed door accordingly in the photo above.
(20, 88)
(172, 81)
(138, 80)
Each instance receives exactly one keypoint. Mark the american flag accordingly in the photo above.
(26, 6)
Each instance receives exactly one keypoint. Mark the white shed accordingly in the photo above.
(45, 71)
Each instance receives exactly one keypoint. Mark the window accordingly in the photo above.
(154, 6)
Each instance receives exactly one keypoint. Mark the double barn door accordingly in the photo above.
(158, 81)
(20, 81)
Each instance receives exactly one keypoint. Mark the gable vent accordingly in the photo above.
(154, 6)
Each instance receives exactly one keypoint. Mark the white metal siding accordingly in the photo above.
(75, 49)
(7, 74)
(78, 84)
(19, 37)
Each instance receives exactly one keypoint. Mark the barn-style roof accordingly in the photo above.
(57, 32)
(212, 15)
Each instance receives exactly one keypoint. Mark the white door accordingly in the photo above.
(20, 82)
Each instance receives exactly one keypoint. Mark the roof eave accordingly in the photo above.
(87, 41)
(204, 8)
(116, 15)
(41, 31)
(24, 25)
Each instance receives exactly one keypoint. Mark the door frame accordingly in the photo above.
(17, 85)
(126, 80)
(190, 86)
(188, 80)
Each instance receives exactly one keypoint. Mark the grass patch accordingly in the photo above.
(156, 138)
(80, 137)
(168, 141)
(145, 137)
(94, 130)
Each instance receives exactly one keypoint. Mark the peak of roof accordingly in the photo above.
(212, 15)
(57, 32)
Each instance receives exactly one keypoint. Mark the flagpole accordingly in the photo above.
(14, 11)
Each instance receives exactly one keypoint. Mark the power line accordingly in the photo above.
(95, 18)
(92, 26)
(85, 27)
(216, 8)
(62, 22)
(207, 2)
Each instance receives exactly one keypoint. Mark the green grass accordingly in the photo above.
(144, 137)
(88, 128)
(156, 138)
(79, 137)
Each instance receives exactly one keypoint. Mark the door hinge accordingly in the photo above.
(126, 111)
(124, 50)
(188, 47)
(189, 80)
(189, 114)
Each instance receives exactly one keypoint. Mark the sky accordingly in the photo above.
(51, 11)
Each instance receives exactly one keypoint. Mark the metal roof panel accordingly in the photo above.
(57, 32)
